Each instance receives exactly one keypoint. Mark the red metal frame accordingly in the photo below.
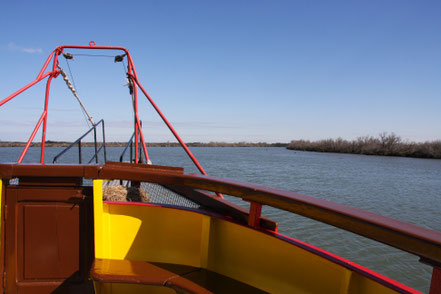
(24, 88)
(435, 285)
(135, 81)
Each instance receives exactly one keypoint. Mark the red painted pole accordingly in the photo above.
(130, 72)
(435, 285)
(46, 103)
(24, 88)
(144, 147)
(54, 73)
(91, 47)
(45, 65)
(172, 130)
(138, 130)
(31, 138)
(135, 110)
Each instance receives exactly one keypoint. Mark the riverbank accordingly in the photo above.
(163, 144)
(385, 144)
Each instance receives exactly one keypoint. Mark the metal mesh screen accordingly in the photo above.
(158, 194)
(162, 195)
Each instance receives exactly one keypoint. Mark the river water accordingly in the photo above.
(402, 188)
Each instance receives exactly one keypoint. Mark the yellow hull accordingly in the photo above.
(170, 235)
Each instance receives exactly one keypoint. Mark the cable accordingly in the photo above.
(124, 67)
(93, 55)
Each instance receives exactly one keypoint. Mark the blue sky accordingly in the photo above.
(231, 71)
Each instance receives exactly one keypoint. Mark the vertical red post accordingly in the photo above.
(435, 285)
(46, 103)
(135, 106)
(255, 213)
(54, 73)
(142, 141)
(131, 73)
(138, 130)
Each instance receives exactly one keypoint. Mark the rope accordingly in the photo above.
(71, 75)
(75, 86)
(74, 92)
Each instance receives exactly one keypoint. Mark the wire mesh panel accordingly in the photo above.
(156, 194)
(162, 195)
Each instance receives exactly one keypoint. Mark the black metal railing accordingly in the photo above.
(129, 144)
(78, 142)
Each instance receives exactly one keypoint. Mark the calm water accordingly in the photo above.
(402, 188)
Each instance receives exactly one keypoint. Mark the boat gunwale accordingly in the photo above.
(411, 238)
(350, 265)
(423, 242)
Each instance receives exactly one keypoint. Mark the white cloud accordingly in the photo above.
(14, 47)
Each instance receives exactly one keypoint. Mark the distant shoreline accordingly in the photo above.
(163, 144)
(384, 145)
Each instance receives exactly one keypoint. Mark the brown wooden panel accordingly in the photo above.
(50, 181)
(159, 168)
(181, 278)
(10, 241)
(127, 271)
(51, 240)
(141, 272)
(8, 171)
(59, 194)
(2, 230)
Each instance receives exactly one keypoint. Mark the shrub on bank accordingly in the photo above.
(387, 144)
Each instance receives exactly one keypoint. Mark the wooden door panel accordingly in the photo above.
(48, 239)
(50, 234)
